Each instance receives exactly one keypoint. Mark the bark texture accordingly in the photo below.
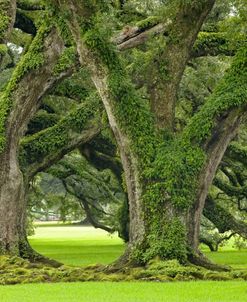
(169, 65)
(226, 130)
(23, 99)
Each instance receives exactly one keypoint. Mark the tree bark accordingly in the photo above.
(167, 69)
(129, 161)
(226, 130)
(21, 100)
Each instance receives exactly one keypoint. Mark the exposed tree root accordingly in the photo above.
(201, 260)
(27, 252)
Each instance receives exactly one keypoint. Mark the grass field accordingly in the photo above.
(77, 245)
(84, 245)
(127, 292)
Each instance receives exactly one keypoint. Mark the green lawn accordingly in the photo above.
(75, 245)
(85, 245)
(127, 292)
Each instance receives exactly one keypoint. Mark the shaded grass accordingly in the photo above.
(127, 292)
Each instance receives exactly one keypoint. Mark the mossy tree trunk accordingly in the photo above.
(30, 81)
(170, 61)
(167, 181)
(224, 131)
(7, 17)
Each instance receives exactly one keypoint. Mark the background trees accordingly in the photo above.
(170, 140)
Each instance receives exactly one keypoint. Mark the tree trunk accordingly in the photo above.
(129, 161)
(170, 62)
(215, 149)
(18, 104)
(167, 182)
(12, 202)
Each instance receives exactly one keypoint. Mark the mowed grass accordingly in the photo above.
(127, 292)
(75, 245)
(85, 245)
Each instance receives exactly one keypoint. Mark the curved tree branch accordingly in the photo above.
(222, 219)
(41, 150)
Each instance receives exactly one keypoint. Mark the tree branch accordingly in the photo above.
(229, 189)
(237, 152)
(135, 36)
(222, 219)
(41, 150)
(30, 5)
(94, 222)
(169, 63)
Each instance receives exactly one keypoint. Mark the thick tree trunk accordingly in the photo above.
(161, 177)
(19, 102)
(12, 203)
(129, 161)
(172, 60)
(13, 206)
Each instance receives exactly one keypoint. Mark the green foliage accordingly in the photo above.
(240, 242)
(77, 87)
(230, 93)
(213, 43)
(167, 242)
(18, 37)
(41, 121)
(123, 218)
(4, 19)
(147, 23)
(66, 60)
(3, 49)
